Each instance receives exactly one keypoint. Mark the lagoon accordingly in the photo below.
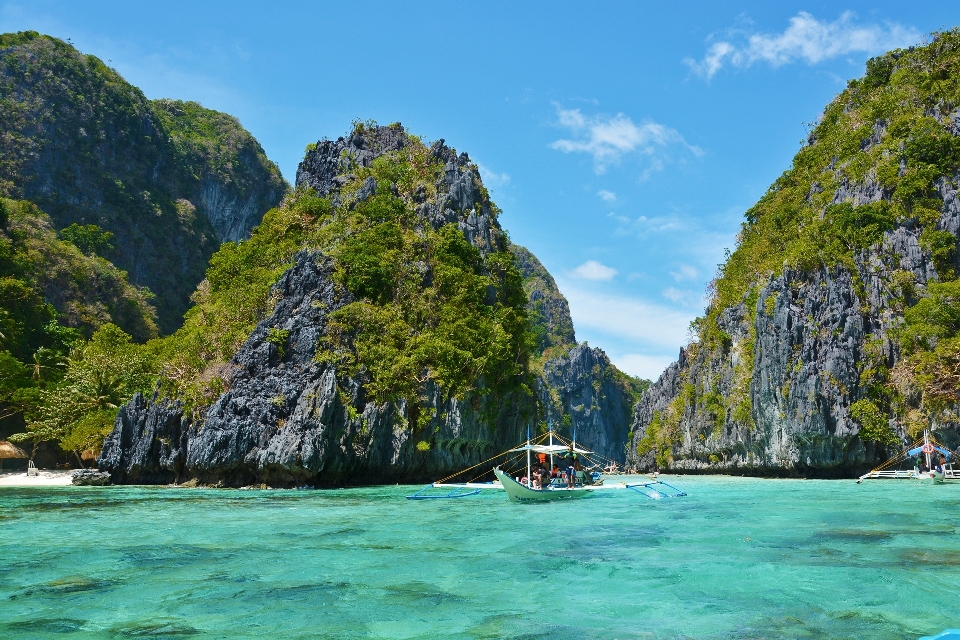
(736, 558)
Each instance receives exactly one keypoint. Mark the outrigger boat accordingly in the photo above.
(525, 488)
(931, 474)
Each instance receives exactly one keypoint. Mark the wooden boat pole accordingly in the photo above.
(926, 441)
(550, 422)
(528, 455)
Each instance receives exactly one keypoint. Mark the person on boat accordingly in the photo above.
(555, 472)
(943, 461)
(571, 467)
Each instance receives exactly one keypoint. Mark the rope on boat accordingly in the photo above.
(502, 453)
(903, 455)
(899, 457)
(589, 457)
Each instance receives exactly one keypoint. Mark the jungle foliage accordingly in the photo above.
(140, 170)
(52, 297)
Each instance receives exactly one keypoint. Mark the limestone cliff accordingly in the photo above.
(289, 420)
(578, 389)
(825, 344)
(171, 180)
(297, 410)
(307, 399)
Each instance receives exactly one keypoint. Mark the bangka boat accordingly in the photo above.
(927, 447)
(523, 485)
(519, 492)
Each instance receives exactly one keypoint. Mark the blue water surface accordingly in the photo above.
(736, 558)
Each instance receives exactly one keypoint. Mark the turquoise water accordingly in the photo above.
(737, 558)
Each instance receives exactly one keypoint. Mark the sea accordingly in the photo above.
(735, 558)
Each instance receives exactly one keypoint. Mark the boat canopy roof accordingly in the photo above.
(946, 452)
(556, 449)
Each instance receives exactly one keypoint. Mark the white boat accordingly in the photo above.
(930, 474)
(523, 493)
(524, 487)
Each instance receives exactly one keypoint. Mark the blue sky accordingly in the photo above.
(623, 141)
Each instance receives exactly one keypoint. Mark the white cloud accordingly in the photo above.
(642, 226)
(492, 178)
(806, 39)
(655, 326)
(608, 196)
(642, 365)
(684, 297)
(685, 272)
(608, 138)
(593, 270)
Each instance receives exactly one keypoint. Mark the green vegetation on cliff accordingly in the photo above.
(891, 135)
(547, 308)
(427, 306)
(168, 179)
(53, 295)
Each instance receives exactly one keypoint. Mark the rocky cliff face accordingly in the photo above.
(548, 308)
(290, 417)
(861, 232)
(289, 420)
(169, 179)
(585, 396)
(803, 375)
(460, 198)
(231, 180)
(798, 354)
(579, 390)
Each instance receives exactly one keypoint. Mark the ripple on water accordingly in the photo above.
(155, 630)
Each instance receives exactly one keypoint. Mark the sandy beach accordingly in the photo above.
(45, 479)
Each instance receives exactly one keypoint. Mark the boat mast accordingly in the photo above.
(550, 422)
(528, 455)
(574, 460)
(926, 441)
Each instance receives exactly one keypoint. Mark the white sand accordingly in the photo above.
(45, 479)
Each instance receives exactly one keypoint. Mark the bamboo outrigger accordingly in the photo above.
(526, 487)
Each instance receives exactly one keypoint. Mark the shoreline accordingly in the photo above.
(63, 478)
(44, 479)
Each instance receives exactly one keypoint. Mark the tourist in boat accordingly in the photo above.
(571, 468)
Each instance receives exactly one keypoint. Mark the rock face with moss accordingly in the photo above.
(579, 390)
(171, 180)
(587, 397)
(393, 346)
(548, 309)
(831, 336)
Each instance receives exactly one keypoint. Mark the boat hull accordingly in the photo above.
(931, 477)
(522, 493)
